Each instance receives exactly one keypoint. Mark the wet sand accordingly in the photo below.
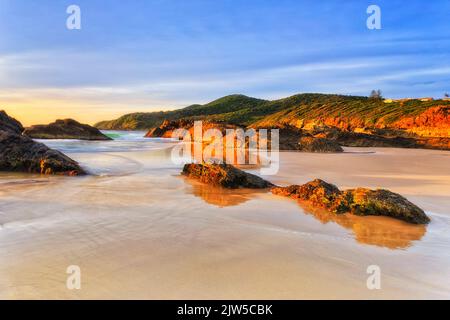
(138, 230)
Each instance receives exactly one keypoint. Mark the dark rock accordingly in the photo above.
(384, 203)
(224, 175)
(65, 129)
(322, 145)
(361, 201)
(166, 129)
(20, 153)
(10, 124)
(293, 139)
(318, 192)
(356, 139)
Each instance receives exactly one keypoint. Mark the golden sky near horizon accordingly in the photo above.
(47, 111)
(87, 105)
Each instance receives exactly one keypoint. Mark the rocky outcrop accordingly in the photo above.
(65, 129)
(434, 122)
(166, 129)
(356, 139)
(289, 138)
(293, 139)
(322, 145)
(317, 194)
(360, 201)
(224, 175)
(9, 124)
(381, 138)
(21, 153)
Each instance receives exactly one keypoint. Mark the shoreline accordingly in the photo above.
(181, 239)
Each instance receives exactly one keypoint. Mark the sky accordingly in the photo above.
(150, 55)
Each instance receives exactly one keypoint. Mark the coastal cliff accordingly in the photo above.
(359, 121)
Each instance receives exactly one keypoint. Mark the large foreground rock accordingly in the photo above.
(65, 129)
(224, 175)
(360, 201)
(21, 153)
(9, 124)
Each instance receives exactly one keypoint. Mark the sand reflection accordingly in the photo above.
(379, 231)
(221, 197)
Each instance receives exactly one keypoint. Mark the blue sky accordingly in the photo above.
(146, 55)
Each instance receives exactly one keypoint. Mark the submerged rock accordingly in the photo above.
(360, 201)
(224, 175)
(21, 153)
(65, 129)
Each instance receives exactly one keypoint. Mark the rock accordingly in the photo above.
(318, 193)
(65, 129)
(433, 122)
(294, 139)
(322, 145)
(356, 139)
(384, 203)
(9, 124)
(224, 175)
(20, 153)
(360, 201)
(166, 129)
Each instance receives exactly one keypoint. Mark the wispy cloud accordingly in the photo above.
(161, 55)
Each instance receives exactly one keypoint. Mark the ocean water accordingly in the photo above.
(124, 141)
(138, 229)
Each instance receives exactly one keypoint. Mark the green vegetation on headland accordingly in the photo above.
(296, 110)
(324, 121)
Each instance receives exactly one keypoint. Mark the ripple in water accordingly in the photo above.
(124, 141)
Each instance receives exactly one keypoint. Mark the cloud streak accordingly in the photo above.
(149, 56)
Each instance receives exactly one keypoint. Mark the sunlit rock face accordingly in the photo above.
(224, 175)
(360, 201)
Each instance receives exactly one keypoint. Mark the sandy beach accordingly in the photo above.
(139, 230)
